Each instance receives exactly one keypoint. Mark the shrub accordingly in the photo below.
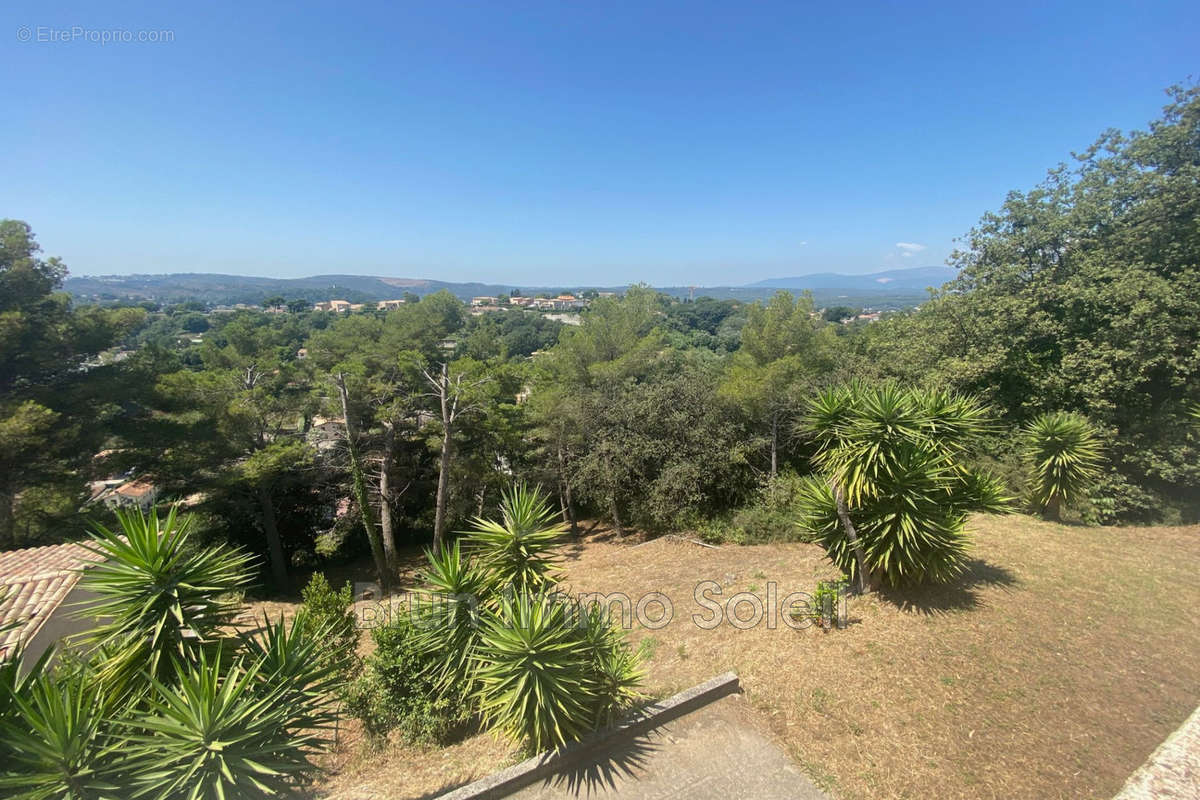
(896, 456)
(535, 673)
(449, 613)
(401, 690)
(333, 614)
(518, 552)
(157, 595)
(224, 731)
(58, 739)
(1063, 454)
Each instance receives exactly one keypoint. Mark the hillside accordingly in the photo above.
(894, 289)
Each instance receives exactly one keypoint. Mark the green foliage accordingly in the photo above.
(332, 612)
(59, 739)
(898, 457)
(770, 517)
(238, 718)
(1064, 454)
(217, 731)
(1082, 294)
(401, 688)
(518, 551)
(450, 612)
(157, 597)
(535, 672)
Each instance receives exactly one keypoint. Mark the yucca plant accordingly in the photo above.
(218, 732)
(60, 739)
(1063, 452)
(447, 612)
(534, 671)
(157, 596)
(616, 668)
(294, 658)
(890, 505)
(519, 551)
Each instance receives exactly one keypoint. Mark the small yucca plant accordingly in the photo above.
(222, 732)
(1063, 452)
(616, 668)
(157, 596)
(519, 551)
(59, 738)
(534, 673)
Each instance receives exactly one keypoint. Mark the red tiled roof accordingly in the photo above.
(33, 582)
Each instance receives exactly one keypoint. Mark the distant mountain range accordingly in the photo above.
(917, 278)
(898, 288)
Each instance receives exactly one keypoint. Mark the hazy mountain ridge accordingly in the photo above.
(916, 278)
(888, 289)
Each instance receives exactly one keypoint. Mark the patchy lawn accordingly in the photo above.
(1053, 670)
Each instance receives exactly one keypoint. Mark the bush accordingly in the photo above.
(550, 669)
(173, 707)
(897, 458)
(1063, 454)
(399, 689)
(771, 517)
(333, 613)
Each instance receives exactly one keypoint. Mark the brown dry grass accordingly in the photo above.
(1053, 670)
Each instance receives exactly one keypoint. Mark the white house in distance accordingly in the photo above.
(40, 595)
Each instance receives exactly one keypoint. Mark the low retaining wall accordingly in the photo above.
(571, 755)
(1172, 771)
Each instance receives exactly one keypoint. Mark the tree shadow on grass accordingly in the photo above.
(959, 595)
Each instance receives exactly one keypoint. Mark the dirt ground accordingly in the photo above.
(1053, 669)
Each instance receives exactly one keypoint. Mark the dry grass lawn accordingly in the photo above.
(1052, 670)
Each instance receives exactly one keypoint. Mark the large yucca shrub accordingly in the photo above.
(1063, 453)
(893, 460)
(158, 597)
(534, 672)
(60, 738)
(221, 731)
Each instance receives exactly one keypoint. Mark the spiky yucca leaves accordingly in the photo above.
(1064, 453)
(296, 659)
(158, 597)
(896, 454)
(534, 672)
(518, 552)
(217, 732)
(59, 739)
(447, 614)
(616, 668)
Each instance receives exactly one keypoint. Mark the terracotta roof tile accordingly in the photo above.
(33, 583)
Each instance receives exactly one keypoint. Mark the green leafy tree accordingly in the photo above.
(786, 352)
(1082, 294)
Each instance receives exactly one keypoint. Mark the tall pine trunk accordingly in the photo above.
(274, 543)
(439, 518)
(385, 496)
(360, 492)
(564, 493)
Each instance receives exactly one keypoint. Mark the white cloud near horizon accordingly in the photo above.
(910, 247)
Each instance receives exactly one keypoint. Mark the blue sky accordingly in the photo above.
(557, 142)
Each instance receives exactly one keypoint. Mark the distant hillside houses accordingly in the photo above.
(346, 305)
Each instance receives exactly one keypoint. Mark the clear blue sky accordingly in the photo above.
(556, 142)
